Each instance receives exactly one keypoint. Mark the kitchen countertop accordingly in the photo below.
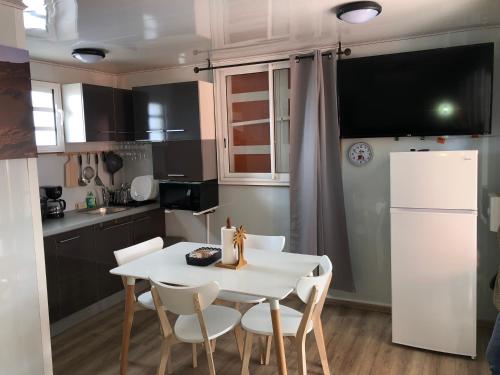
(74, 219)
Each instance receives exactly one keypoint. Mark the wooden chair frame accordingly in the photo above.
(170, 339)
(312, 312)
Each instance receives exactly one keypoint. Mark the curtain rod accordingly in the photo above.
(339, 52)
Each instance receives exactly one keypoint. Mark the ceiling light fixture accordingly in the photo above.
(358, 11)
(88, 55)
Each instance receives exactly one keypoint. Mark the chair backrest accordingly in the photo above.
(180, 300)
(312, 290)
(306, 283)
(131, 253)
(272, 243)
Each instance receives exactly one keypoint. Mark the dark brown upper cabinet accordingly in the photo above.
(124, 115)
(17, 132)
(97, 113)
(174, 112)
(185, 160)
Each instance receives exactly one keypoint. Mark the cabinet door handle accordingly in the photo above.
(155, 131)
(176, 175)
(69, 239)
(142, 219)
(174, 130)
(117, 225)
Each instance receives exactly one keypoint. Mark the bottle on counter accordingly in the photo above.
(90, 200)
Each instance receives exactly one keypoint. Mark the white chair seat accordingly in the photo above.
(258, 320)
(239, 298)
(218, 319)
(146, 300)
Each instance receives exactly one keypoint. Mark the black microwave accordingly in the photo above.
(191, 196)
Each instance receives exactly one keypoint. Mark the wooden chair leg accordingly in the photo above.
(195, 356)
(301, 356)
(238, 335)
(165, 353)
(213, 343)
(320, 343)
(247, 353)
(210, 358)
(265, 354)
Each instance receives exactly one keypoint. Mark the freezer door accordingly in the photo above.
(433, 272)
(434, 179)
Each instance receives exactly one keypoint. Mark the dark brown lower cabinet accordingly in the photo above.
(76, 270)
(110, 236)
(54, 298)
(78, 262)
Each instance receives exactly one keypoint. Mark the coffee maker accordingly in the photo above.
(55, 206)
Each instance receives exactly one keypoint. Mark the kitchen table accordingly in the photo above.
(272, 275)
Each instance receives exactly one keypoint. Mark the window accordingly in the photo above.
(47, 116)
(253, 124)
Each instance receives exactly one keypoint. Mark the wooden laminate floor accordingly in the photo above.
(357, 341)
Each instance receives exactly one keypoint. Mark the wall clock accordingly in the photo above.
(360, 153)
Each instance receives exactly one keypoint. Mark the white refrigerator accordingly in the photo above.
(433, 250)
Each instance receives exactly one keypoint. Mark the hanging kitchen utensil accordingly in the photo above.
(97, 179)
(88, 171)
(113, 164)
(81, 182)
(71, 172)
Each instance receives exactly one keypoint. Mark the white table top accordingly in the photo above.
(268, 274)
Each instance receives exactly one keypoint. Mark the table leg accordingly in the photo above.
(278, 336)
(127, 324)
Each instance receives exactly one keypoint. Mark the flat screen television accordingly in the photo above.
(446, 91)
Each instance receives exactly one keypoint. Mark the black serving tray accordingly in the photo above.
(192, 260)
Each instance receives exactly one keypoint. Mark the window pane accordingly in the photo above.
(42, 99)
(45, 138)
(44, 119)
(248, 123)
(281, 82)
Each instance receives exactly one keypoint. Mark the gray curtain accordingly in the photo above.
(318, 223)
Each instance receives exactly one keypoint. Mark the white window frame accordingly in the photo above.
(223, 134)
(58, 120)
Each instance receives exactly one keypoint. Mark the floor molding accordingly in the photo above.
(386, 309)
(359, 305)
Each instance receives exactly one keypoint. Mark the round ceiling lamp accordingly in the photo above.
(88, 55)
(358, 11)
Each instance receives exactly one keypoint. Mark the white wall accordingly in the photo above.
(24, 319)
(266, 209)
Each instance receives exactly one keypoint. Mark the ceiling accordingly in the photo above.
(147, 34)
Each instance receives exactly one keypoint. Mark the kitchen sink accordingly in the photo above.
(105, 210)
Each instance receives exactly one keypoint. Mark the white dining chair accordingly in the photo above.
(312, 290)
(128, 254)
(199, 321)
(254, 241)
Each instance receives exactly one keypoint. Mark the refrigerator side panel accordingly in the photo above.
(443, 180)
(433, 271)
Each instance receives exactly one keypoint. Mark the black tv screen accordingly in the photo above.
(446, 91)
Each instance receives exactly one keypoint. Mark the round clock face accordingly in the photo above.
(360, 153)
